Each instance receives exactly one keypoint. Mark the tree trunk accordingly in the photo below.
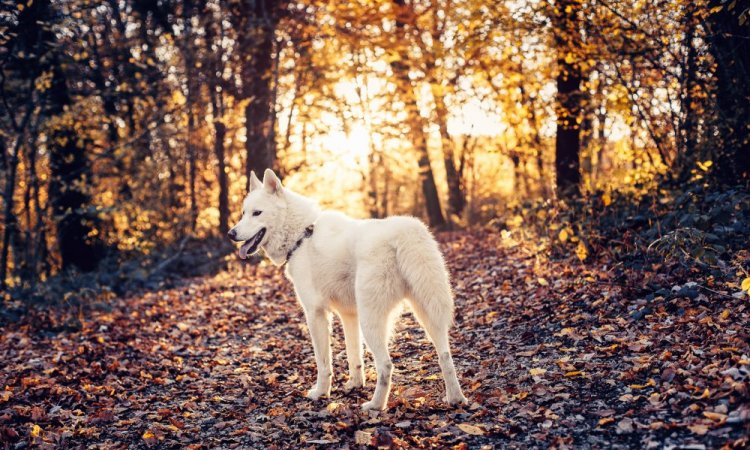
(216, 93)
(372, 186)
(456, 196)
(568, 138)
(38, 250)
(257, 77)
(519, 180)
(220, 131)
(189, 102)
(690, 122)
(419, 140)
(384, 201)
(70, 181)
(418, 126)
(8, 214)
(728, 43)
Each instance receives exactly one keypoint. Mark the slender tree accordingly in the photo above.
(417, 126)
(569, 98)
(259, 20)
(215, 54)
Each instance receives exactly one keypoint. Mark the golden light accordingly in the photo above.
(353, 146)
(476, 118)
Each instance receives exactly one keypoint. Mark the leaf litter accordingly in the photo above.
(549, 352)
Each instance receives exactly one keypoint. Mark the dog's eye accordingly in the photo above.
(257, 213)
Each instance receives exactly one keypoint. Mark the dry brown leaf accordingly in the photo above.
(718, 417)
(605, 421)
(471, 429)
(362, 438)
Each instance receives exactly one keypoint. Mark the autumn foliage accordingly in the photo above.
(584, 163)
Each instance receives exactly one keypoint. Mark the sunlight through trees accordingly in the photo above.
(127, 123)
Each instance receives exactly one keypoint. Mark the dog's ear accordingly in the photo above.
(271, 182)
(254, 181)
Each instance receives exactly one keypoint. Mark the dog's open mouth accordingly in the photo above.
(250, 246)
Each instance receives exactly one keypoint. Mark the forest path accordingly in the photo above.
(549, 353)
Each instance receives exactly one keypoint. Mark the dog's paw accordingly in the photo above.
(314, 394)
(373, 406)
(353, 383)
(456, 399)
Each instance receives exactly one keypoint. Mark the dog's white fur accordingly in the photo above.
(362, 270)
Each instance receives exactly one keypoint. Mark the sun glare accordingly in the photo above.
(476, 118)
(353, 146)
(352, 141)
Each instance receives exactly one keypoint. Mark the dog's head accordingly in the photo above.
(262, 210)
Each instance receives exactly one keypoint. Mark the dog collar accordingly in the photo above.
(308, 232)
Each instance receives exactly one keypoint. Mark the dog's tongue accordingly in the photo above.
(245, 248)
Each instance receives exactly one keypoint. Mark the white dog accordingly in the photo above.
(360, 269)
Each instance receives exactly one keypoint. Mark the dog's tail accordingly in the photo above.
(422, 266)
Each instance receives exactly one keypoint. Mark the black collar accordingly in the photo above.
(308, 232)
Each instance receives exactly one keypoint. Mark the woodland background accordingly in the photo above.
(129, 125)
(584, 163)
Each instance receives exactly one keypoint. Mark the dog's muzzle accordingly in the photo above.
(251, 245)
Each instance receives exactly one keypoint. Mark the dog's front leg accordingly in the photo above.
(353, 337)
(319, 323)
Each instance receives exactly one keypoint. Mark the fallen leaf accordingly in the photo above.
(657, 425)
(581, 251)
(746, 285)
(471, 429)
(362, 437)
(706, 393)
(698, 428)
(718, 417)
(149, 437)
(649, 383)
(625, 425)
(667, 375)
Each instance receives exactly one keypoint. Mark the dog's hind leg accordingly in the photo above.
(436, 324)
(378, 292)
(453, 394)
(422, 266)
(375, 329)
(353, 337)
(319, 323)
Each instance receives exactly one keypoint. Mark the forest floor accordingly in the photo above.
(551, 353)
